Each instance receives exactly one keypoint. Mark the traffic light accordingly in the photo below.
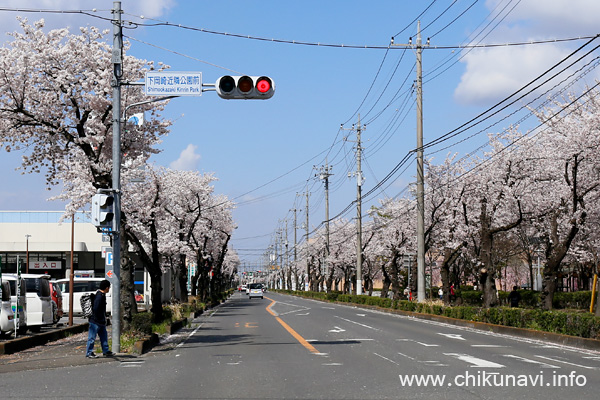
(245, 87)
(103, 211)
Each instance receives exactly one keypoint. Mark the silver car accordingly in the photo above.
(255, 290)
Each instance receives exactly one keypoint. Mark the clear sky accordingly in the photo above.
(264, 152)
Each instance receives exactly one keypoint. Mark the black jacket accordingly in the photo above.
(99, 309)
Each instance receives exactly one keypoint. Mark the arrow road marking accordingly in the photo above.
(477, 362)
(337, 330)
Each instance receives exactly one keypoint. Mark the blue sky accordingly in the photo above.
(263, 152)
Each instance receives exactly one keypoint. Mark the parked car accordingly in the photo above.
(255, 290)
(39, 301)
(7, 322)
(57, 301)
(22, 315)
(81, 286)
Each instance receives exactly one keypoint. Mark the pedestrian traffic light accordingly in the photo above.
(245, 87)
(103, 211)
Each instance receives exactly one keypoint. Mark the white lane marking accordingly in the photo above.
(427, 345)
(527, 360)
(304, 314)
(357, 323)
(592, 357)
(566, 362)
(435, 363)
(332, 364)
(467, 329)
(404, 340)
(387, 359)
(196, 330)
(129, 364)
(329, 308)
(452, 336)
(361, 315)
(487, 345)
(477, 362)
(337, 329)
(409, 357)
(322, 354)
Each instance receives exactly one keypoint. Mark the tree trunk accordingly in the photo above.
(128, 304)
(386, 282)
(182, 275)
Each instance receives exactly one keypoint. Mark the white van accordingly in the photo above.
(12, 280)
(7, 322)
(39, 301)
(82, 286)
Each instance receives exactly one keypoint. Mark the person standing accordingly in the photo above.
(514, 297)
(97, 322)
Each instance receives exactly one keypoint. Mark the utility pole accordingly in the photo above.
(288, 282)
(359, 181)
(295, 284)
(324, 174)
(307, 285)
(420, 171)
(117, 60)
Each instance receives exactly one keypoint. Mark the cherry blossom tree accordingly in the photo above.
(568, 149)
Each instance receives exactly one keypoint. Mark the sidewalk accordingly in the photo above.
(70, 351)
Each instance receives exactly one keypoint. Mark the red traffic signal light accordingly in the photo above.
(245, 87)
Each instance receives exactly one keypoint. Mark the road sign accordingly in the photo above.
(108, 263)
(171, 83)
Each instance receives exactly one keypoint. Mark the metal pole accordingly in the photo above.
(307, 285)
(420, 175)
(117, 57)
(27, 253)
(71, 273)
(359, 182)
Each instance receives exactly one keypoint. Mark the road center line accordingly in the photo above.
(288, 328)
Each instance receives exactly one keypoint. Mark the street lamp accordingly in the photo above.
(27, 253)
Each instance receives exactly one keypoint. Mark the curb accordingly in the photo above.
(145, 345)
(20, 344)
(575, 341)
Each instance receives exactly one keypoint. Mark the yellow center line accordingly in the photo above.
(288, 328)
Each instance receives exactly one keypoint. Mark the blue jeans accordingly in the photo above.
(99, 330)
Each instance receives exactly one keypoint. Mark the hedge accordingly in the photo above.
(573, 323)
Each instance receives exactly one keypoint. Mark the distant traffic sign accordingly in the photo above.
(171, 83)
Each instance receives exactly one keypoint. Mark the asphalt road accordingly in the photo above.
(283, 347)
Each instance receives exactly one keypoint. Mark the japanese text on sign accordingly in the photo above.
(173, 83)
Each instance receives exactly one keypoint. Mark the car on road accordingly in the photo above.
(255, 290)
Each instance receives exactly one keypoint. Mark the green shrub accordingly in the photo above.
(142, 323)
(470, 297)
